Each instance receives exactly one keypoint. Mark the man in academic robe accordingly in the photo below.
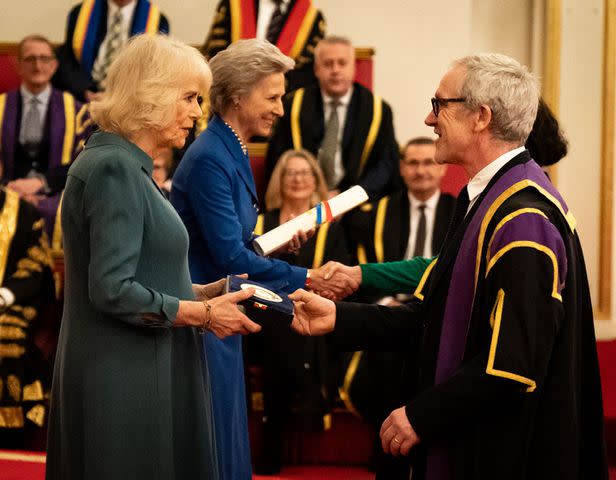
(411, 222)
(96, 30)
(294, 26)
(25, 285)
(349, 129)
(508, 382)
(41, 130)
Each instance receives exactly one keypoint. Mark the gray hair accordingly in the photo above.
(238, 68)
(333, 40)
(507, 87)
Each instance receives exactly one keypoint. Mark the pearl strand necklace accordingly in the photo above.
(244, 149)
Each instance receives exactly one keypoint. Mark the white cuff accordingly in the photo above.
(7, 296)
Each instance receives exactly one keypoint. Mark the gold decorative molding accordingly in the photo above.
(551, 64)
(8, 48)
(22, 457)
(364, 53)
(258, 149)
(604, 308)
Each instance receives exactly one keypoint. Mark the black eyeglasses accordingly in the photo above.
(437, 103)
(44, 59)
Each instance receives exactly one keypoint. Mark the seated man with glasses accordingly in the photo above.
(347, 127)
(41, 129)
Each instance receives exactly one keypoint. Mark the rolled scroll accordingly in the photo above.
(322, 213)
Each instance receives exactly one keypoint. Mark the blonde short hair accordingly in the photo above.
(145, 82)
(238, 69)
(273, 196)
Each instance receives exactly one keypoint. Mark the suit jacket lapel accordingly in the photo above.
(10, 129)
(404, 222)
(55, 126)
(241, 162)
(101, 30)
(442, 219)
(351, 115)
(312, 119)
(358, 120)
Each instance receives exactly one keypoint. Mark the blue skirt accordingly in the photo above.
(226, 375)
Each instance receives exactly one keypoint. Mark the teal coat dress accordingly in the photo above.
(129, 399)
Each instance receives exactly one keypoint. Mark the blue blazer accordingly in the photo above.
(214, 193)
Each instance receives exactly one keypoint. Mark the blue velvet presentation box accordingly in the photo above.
(266, 307)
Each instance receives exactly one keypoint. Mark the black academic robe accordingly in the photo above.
(369, 161)
(220, 36)
(72, 75)
(371, 387)
(25, 271)
(516, 393)
(299, 373)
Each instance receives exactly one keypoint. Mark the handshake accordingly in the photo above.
(335, 280)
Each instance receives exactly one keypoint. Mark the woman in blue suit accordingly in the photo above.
(214, 193)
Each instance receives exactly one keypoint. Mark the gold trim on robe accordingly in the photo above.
(8, 226)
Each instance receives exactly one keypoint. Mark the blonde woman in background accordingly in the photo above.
(309, 371)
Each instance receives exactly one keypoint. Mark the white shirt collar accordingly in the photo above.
(414, 202)
(343, 101)
(27, 95)
(479, 182)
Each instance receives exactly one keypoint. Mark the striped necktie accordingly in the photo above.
(113, 42)
(32, 127)
(329, 146)
(275, 25)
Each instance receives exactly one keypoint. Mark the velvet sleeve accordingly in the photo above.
(394, 277)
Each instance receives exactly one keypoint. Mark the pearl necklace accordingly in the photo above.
(244, 149)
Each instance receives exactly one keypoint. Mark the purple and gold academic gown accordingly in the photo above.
(66, 126)
(508, 382)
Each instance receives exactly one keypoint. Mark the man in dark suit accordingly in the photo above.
(41, 129)
(411, 222)
(349, 129)
(95, 32)
(294, 26)
(507, 384)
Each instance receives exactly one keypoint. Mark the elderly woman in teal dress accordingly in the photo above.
(130, 394)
